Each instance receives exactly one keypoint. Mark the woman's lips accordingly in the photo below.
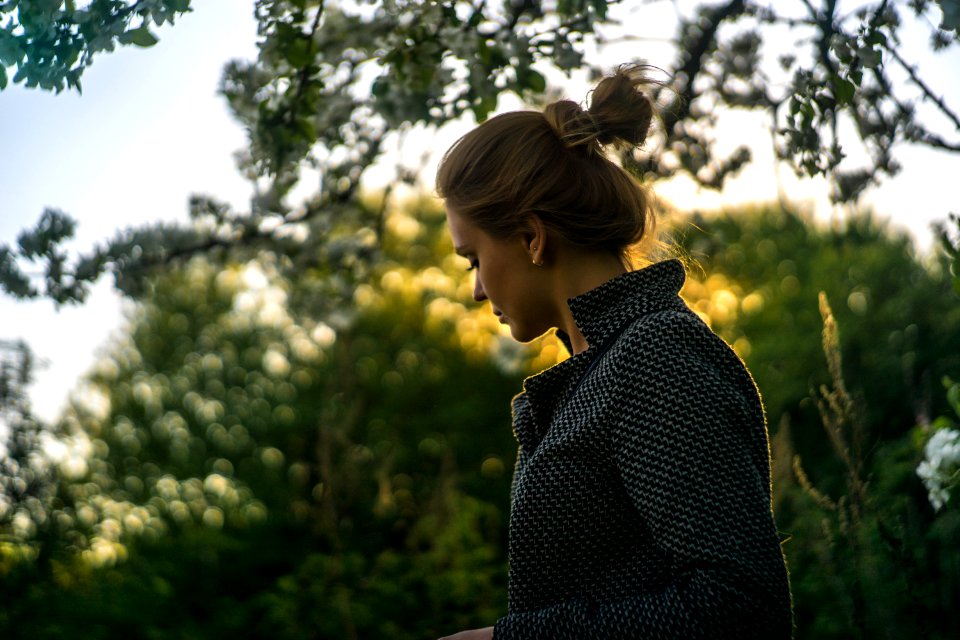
(501, 317)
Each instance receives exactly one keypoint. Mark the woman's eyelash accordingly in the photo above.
(474, 263)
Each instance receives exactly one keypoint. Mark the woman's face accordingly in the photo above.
(505, 275)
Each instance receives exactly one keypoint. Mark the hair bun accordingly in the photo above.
(574, 126)
(619, 114)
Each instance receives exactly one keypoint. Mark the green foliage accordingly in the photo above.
(130, 256)
(26, 484)
(867, 554)
(951, 15)
(886, 565)
(51, 43)
(305, 431)
(950, 246)
(335, 84)
(898, 316)
(261, 462)
(333, 480)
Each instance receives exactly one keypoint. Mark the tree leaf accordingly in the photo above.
(843, 90)
(140, 37)
(535, 81)
(951, 15)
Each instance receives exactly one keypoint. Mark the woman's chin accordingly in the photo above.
(524, 334)
(515, 332)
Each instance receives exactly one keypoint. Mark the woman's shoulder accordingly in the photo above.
(676, 328)
(675, 340)
(672, 358)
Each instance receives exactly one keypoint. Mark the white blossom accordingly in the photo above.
(940, 468)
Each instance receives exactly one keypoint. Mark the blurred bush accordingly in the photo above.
(285, 451)
(239, 468)
(868, 555)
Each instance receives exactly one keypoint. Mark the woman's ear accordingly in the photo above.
(535, 239)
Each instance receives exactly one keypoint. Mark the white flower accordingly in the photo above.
(940, 469)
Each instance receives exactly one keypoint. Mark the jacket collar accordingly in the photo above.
(603, 310)
(598, 314)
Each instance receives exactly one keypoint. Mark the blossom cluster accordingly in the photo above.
(940, 468)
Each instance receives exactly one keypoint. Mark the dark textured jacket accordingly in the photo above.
(641, 495)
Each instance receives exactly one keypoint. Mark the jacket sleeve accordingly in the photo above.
(689, 443)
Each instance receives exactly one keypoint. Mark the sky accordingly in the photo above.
(149, 131)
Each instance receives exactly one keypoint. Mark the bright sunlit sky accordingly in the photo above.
(149, 130)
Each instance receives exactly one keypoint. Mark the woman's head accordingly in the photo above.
(551, 165)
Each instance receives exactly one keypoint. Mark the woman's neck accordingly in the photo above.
(576, 276)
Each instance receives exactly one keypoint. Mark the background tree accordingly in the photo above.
(334, 86)
(253, 471)
(897, 310)
(25, 481)
(52, 43)
(240, 467)
(289, 442)
(869, 557)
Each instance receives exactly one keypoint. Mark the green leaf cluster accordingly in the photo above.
(867, 554)
(332, 476)
(51, 43)
(334, 85)
(279, 448)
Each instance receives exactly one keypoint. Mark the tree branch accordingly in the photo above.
(937, 142)
(693, 64)
(927, 91)
(303, 74)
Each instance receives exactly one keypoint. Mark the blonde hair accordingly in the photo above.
(552, 164)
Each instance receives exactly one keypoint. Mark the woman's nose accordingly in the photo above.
(478, 294)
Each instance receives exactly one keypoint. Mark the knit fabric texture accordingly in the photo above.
(641, 495)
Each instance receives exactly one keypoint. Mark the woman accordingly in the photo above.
(641, 496)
